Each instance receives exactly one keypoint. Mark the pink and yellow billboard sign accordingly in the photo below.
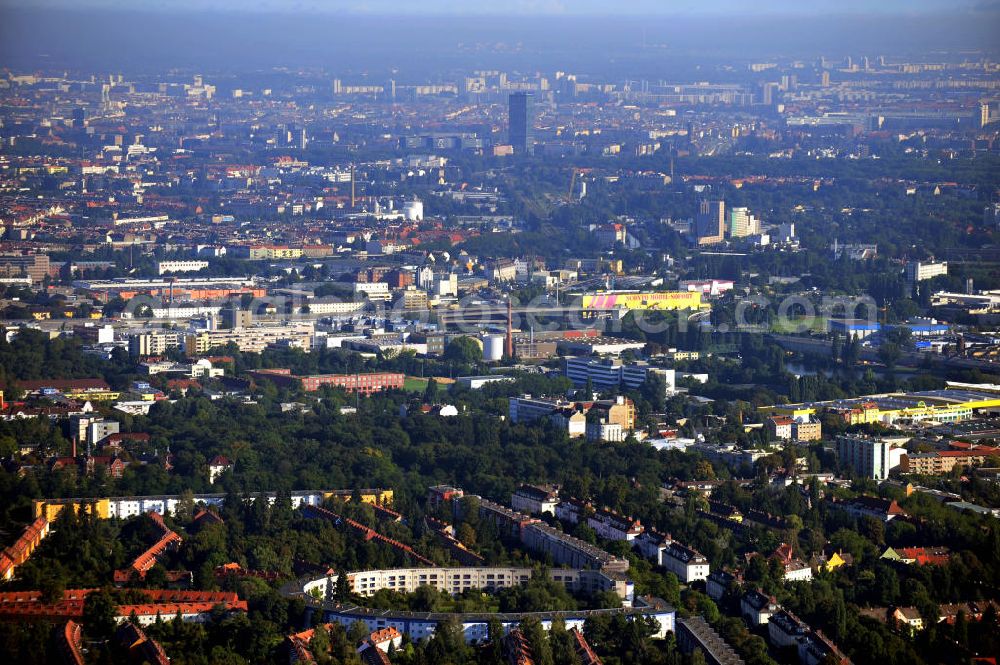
(665, 300)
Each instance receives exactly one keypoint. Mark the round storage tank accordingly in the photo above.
(413, 211)
(493, 346)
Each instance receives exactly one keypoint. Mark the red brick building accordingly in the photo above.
(365, 383)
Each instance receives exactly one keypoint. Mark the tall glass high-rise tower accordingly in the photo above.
(521, 115)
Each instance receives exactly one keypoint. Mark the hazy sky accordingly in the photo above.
(530, 7)
(422, 38)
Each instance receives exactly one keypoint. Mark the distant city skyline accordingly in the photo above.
(531, 7)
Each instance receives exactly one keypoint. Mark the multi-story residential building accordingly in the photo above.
(718, 583)
(458, 580)
(797, 571)
(445, 286)
(816, 649)
(190, 606)
(563, 548)
(610, 525)
(742, 223)
(100, 429)
(439, 495)
(123, 507)
(372, 290)
(235, 317)
(784, 629)
(605, 431)
(333, 306)
(652, 544)
(570, 551)
(687, 564)
(606, 523)
(253, 339)
(694, 633)
(17, 553)
(943, 461)
(918, 271)
(866, 457)
(779, 427)
(218, 466)
(412, 298)
(268, 252)
(507, 521)
(758, 608)
(474, 627)
(501, 270)
(154, 343)
(710, 224)
(535, 499)
(807, 431)
(619, 411)
(609, 235)
(571, 419)
(573, 510)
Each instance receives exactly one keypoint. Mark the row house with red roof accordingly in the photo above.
(16, 554)
(145, 561)
(192, 606)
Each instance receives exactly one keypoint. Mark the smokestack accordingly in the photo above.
(353, 200)
(510, 330)
(74, 447)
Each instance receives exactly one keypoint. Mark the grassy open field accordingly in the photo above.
(417, 384)
(791, 326)
(414, 384)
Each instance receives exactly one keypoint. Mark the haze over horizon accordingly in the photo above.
(534, 7)
(377, 35)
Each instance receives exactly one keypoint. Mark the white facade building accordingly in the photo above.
(535, 500)
(373, 290)
(918, 271)
(687, 564)
(164, 267)
(869, 458)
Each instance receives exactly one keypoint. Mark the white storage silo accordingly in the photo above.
(413, 211)
(493, 347)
